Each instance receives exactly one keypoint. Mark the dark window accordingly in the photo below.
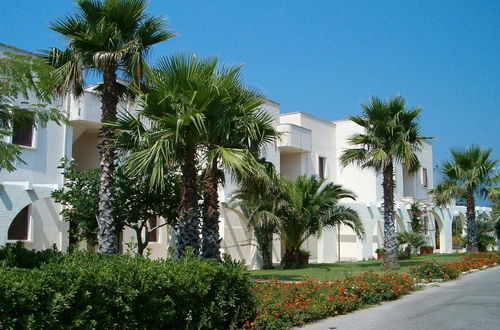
(321, 167)
(153, 236)
(22, 133)
(424, 177)
(19, 228)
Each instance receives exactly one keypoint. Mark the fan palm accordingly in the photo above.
(173, 130)
(169, 130)
(308, 205)
(110, 37)
(467, 174)
(236, 130)
(392, 135)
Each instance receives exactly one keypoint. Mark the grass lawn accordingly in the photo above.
(343, 269)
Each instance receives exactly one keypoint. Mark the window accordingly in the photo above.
(22, 133)
(321, 167)
(424, 177)
(19, 228)
(153, 235)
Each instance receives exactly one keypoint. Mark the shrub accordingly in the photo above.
(284, 305)
(121, 292)
(433, 270)
(15, 255)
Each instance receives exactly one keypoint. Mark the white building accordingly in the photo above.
(310, 145)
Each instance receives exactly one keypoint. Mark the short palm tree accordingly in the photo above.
(308, 205)
(111, 37)
(467, 174)
(391, 135)
(257, 199)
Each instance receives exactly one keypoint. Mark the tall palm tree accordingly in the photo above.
(236, 131)
(308, 205)
(467, 174)
(392, 135)
(111, 37)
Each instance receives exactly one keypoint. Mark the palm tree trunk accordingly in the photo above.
(264, 236)
(472, 244)
(188, 229)
(210, 228)
(390, 247)
(107, 239)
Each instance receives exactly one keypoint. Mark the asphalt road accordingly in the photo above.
(473, 302)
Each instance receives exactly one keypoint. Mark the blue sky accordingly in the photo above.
(327, 57)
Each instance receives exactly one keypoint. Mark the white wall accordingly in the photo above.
(362, 181)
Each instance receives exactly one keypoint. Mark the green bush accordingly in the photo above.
(433, 270)
(86, 290)
(15, 255)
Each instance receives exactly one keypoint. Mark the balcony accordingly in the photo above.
(86, 108)
(295, 139)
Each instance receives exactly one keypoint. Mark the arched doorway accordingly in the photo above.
(436, 235)
(20, 227)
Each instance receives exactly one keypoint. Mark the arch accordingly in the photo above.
(399, 224)
(443, 231)
(14, 197)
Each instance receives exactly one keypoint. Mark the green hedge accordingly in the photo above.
(15, 255)
(87, 290)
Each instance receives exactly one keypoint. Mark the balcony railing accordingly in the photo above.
(295, 139)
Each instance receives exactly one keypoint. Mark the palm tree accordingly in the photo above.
(110, 37)
(392, 135)
(169, 131)
(257, 199)
(237, 130)
(308, 205)
(467, 174)
(173, 130)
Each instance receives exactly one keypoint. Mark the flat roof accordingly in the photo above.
(308, 115)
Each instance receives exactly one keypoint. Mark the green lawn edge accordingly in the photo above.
(340, 270)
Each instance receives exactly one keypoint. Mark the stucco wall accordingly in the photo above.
(362, 181)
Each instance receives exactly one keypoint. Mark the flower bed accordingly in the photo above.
(283, 305)
(430, 270)
(433, 270)
(475, 261)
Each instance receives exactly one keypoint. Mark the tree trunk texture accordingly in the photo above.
(189, 224)
(472, 243)
(107, 239)
(210, 227)
(264, 238)
(390, 246)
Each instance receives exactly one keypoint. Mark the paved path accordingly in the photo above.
(472, 302)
